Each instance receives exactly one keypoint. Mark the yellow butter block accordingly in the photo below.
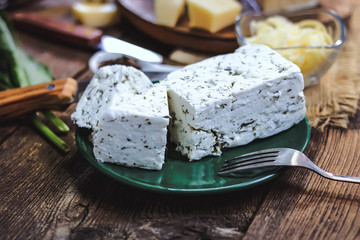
(95, 14)
(167, 12)
(213, 15)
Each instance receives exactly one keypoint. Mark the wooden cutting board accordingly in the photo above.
(141, 14)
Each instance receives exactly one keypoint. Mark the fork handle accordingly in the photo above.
(310, 165)
(341, 178)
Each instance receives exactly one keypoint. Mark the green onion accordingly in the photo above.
(56, 121)
(58, 142)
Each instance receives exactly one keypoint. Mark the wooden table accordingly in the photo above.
(46, 194)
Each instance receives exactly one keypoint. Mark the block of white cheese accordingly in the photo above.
(167, 12)
(212, 15)
(232, 99)
(128, 115)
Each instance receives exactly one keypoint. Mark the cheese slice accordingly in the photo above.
(167, 12)
(212, 15)
(232, 99)
(128, 115)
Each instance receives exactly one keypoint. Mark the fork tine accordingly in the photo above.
(249, 161)
(265, 162)
(263, 158)
(254, 155)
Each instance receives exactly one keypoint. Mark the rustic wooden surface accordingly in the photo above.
(45, 194)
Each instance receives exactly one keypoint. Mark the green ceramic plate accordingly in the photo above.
(198, 177)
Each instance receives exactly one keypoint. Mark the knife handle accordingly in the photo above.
(20, 101)
(57, 29)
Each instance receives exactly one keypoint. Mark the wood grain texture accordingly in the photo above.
(49, 195)
(57, 29)
(7, 129)
(318, 208)
(64, 61)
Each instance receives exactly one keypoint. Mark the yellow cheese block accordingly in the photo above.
(212, 15)
(167, 12)
(95, 14)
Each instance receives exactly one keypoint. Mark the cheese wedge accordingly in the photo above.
(232, 99)
(128, 115)
(212, 15)
(95, 14)
(167, 12)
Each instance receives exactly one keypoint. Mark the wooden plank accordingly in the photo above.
(64, 61)
(318, 208)
(6, 130)
(46, 194)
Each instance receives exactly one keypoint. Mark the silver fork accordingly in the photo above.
(278, 157)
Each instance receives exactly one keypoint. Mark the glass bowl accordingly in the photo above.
(313, 60)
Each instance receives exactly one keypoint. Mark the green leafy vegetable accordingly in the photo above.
(10, 65)
(17, 69)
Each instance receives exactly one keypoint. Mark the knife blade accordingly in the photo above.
(114, 45)
(102, 58)
(79, 35)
